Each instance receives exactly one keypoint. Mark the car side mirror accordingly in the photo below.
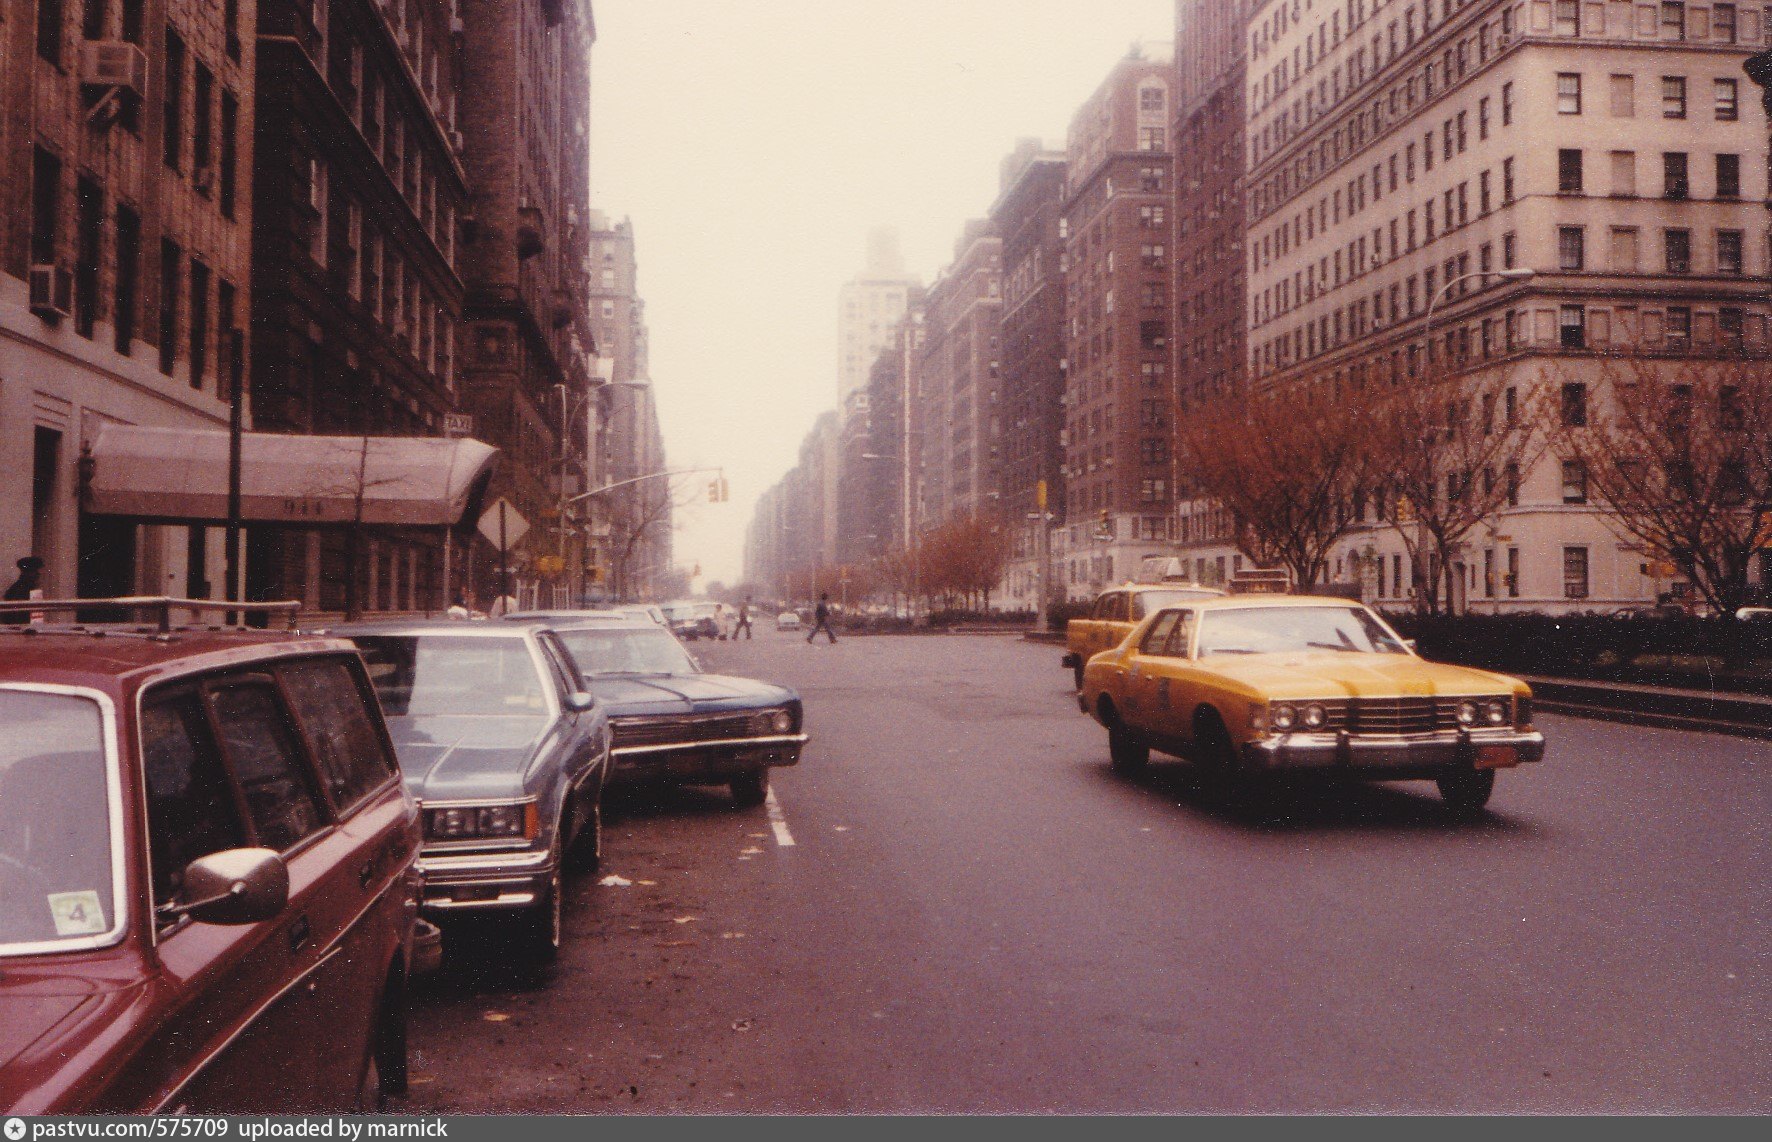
(234, 886)
(581, 701)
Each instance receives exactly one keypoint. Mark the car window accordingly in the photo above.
(259, 744)
(1111, 606)
(1155, 637)
(1138, 611)
(1283, 630)
(631, 650)
(559, 662)
(191, 809)
(55, 819)
(333, 712)
(452, 674)
(1180, 635)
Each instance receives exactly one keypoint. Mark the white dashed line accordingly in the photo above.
(778, 822)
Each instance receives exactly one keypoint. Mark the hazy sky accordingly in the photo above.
(755, 142)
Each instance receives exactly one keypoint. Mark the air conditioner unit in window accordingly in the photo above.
(113, 63)
(52, 291)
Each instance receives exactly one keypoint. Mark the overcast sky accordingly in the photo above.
(755, 142)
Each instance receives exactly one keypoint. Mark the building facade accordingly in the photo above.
(1402, 154)
(358, 194)
(1120, 473)
(957, 419)
(125, 267)
(869, 307)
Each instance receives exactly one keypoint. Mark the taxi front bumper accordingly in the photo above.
(1408, 755)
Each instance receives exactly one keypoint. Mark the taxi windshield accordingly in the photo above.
(55, 822)
(1292, 630)
(627, 651)
(418, 675)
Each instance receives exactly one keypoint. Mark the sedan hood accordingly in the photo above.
(631, 695)
(1334, 674)
(450, 756)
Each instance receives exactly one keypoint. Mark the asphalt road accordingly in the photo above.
(975, 915)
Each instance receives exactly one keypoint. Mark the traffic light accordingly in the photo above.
(717, 492)
(1106, 523)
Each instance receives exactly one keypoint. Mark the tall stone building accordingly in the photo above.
(358, 195)
(1402, 154)
(125, 263)
(957, 401)
(1119, 455)
(869, 306)
(1028, 214)
(526, 366)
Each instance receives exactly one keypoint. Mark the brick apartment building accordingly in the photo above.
(1027, 214)
(125, 262)
(525, 357)
(957, 399)
(358, 194)
(1119, 454)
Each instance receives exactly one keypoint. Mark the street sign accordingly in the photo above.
(502, 525)
(458, 424)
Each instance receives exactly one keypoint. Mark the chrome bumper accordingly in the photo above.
(486, 880)
(728, 756)
(1398, 755)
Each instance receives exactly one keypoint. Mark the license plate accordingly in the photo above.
(1496, 757)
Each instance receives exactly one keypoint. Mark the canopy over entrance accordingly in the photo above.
(173, 474)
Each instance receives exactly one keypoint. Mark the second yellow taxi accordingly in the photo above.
(1251, 685)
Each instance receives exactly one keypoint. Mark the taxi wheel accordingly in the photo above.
(542, 924)
(1466, 792)
(1127, 752)
(750, 789)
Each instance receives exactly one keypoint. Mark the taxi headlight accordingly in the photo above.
(1314, 716)
(1495, 711)
(1284, 716)
(1467, 713)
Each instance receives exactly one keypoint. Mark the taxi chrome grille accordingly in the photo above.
(1402, 715)
(688, 728)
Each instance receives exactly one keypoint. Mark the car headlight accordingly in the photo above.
(1283, 716)
(1467, 713)
(1495, 711)
(775, 722)
(1314, 716)
(482, 822)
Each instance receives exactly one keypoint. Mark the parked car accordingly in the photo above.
(690, 621)
(1116, 611)
(787, 620)
(507, 754)
(1257, 685)
(673, 721)
(207, 875)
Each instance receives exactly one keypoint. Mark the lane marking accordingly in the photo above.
(778, 821)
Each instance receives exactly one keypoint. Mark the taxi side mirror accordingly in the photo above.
(234, 886)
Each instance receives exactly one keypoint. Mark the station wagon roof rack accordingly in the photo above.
(162, 604)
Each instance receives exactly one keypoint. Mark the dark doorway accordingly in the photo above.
(45, 478)
(105, 565)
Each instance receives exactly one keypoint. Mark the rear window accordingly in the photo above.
(56, 859)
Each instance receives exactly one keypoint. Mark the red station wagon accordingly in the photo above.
(207, 881)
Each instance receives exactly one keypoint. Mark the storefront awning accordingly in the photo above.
(170, 474)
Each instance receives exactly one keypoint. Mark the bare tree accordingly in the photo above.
(1286, 463)
(1681, 452)
(1447, 456)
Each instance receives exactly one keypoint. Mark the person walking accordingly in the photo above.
(744, 619)
(30, 578)
(821, 620)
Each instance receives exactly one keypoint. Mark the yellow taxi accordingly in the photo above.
(1113, 615)
(1250, 685)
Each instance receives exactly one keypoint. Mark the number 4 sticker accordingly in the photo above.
(77, 913)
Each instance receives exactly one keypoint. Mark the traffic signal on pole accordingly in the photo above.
(717, 492)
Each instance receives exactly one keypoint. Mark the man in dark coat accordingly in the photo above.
(30, 577)
(821, 620)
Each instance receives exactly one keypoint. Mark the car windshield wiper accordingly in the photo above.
(1232, 650)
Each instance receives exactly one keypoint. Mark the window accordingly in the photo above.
(1674, 182)
(1507, 250)
(1729, 251)
(1153, 257)
(130, 27)
(89, 214)
(202, 125)
(1678, 244)
(199, 322)
(1730, 324)
(1507, 181)
(329, 703)
(1728, 176)
(191, 809)
(1574, 572)
(1151, 217)
(123, 300)
(1507, 103)
(1679, 326)
(50, 16)
(1572, 327)
(1728, 100)
(1150, 99)
(1568, 172)
(172, 111)
(230, 154)
(1722, 22)
(259, 742)
(1567, 18)
(1624, 96)
(1568, 93)
(1624, 249)
(1673, 20)
(1152, 138)
(1571, 251)
(1673, 97)
(1574, 405)
(170, 258)
(1574, 482)
(1624, 174)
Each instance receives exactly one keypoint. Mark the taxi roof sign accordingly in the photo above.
(1259, 581)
